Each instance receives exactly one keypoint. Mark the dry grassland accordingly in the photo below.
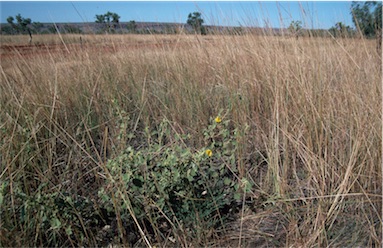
(306, 113)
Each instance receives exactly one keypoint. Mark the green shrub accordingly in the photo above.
(49, 218)
(167, 180)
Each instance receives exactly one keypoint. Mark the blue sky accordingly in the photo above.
(316, 14)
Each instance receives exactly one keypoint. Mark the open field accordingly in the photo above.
(182, 140)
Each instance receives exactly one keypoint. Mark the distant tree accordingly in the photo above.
(23, 21)
(22, 25)
(295, 28)
(115, 18)
(340, 29)
(100, 18)
(108, 18)
(10, 19)
(195, 20)
(12, 29)
(132, 26)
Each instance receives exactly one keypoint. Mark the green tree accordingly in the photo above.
(22, 25)
(340, 29)
(100, 18)
(23, 21)
(367, 16)
(10, 20)
(108, 18)
(295, 28)
(10, 29)
(115, 18)
(195, 20)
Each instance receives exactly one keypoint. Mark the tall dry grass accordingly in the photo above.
(312, 109)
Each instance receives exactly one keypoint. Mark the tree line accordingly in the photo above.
(366, 16)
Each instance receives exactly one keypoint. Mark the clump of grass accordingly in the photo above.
(307, 115)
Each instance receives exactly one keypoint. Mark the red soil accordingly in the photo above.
(12, 51)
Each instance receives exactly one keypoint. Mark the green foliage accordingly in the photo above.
(295, 27)
(110, 20)
(169, 180)
(10, 20)
(21, 26)
(7, 30)
(341, 30)
(108, 17)
(100, 18)
(48, 218)
(367, 16)
(195, 20)
(23, 22)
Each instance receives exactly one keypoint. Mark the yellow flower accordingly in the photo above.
(209, 152)
(218, 119)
